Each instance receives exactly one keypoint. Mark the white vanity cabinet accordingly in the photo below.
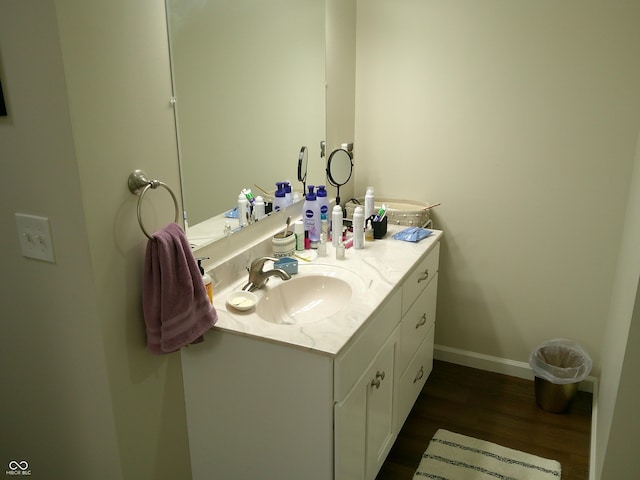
(265, 409)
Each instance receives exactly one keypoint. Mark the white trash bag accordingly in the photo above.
(560, 361)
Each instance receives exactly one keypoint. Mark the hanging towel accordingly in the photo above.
(175, 304)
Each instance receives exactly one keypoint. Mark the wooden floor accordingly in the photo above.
(493, 407)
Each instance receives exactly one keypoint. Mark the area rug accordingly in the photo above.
(451, 456)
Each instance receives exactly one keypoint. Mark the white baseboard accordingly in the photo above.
(513, 368)
(493, 364)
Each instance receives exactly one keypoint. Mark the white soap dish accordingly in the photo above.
(242, 300)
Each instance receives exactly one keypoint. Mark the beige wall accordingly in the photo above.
(116, 65)
(618, 424)
(88, 104)
(341, 60)
(522, 119)
(55, 404)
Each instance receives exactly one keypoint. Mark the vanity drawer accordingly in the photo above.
(420, 277)
(350, 364)
(414, 378)
(417, 322)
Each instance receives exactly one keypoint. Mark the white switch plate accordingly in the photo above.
(35, 237)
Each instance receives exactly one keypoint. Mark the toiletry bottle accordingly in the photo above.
(206, 279)
(298, 229)
(258, 208)
(340, 251)
(369, 200)
(336, 224)
(287, 194)
(323, 201)
(358, 228)
(368, 232)
(324, 225)
(243, 209)
(279, 200)
(322, 246)
(311, 217)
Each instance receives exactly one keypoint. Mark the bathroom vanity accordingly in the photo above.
(320, 396)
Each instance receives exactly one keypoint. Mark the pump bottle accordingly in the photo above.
(311, 217)
(206, 279)
(323, 201)
(287, 194)
(279, 200)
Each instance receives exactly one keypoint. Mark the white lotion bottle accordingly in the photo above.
(243, 209)
(336, 225)
(369, 201)
(287, 194)
(258, 208)
(279, 200)
(358, 228)
(311, 217)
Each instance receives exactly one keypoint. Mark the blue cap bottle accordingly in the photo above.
(311, 216)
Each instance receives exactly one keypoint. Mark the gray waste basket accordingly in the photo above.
(559, 365)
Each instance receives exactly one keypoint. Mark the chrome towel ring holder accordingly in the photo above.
(139, 184)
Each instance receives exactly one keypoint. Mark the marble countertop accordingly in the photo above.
(381, 265)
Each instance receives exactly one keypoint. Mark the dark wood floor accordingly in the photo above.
(493, 407)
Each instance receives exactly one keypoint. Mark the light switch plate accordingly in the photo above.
(35, 237)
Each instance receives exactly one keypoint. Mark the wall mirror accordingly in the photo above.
(249, 88)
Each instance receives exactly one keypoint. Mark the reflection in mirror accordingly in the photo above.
(339, 169)
(249, 85)
(302, 167)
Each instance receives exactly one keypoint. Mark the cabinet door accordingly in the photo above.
(350, 417)
(364, 420)
(380, 410)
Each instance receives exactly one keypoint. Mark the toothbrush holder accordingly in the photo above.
(283, 245)
(379, 228)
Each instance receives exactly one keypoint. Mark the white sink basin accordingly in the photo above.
(315, 293)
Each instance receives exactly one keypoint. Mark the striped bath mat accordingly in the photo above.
(451, 456)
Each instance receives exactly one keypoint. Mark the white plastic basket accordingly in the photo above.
(409, 213)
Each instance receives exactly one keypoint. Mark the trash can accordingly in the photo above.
(559, 365)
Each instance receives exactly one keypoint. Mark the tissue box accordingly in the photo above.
(289, 265)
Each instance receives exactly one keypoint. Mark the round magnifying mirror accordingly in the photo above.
(302, 165)
(339, 167)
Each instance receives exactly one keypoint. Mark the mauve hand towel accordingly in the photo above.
(175, 304)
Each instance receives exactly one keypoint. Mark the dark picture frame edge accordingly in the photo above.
(3, 106)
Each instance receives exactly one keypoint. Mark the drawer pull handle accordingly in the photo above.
(422, 321)
(376, 382)
(425, 275)
(420, 375)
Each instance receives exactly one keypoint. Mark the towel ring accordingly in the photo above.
(139, 184)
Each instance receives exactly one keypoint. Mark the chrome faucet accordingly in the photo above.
(258, 277)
